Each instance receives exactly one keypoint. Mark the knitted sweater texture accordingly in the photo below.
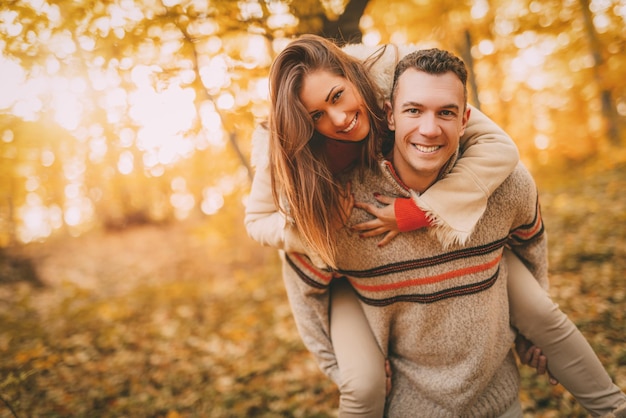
(439, 313)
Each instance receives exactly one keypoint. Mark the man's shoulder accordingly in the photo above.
(520, 177)
(519, 188)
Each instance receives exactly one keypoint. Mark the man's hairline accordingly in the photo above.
(393, 97)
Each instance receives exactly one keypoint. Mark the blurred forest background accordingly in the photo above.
(128, 286)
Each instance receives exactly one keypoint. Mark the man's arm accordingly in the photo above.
(308, 292)
(528, 238)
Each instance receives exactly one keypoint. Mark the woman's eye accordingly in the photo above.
(337, 96)
(316, 116)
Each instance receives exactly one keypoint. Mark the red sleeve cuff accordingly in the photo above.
(408, 215)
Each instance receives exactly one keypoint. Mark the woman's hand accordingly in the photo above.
(385, 222)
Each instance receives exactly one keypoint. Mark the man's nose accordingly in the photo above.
(429, 125)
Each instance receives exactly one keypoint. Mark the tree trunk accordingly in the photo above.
(232, 137)
(346, 30)
(466, 54)
(609, 112)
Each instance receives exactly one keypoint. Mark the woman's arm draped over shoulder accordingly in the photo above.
(456, 203)
(264, 222)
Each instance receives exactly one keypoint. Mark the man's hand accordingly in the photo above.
(385, 222)
(532, 356)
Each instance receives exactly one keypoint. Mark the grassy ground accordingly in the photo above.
(191, 320)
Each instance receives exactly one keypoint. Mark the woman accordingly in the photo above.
(313, 139)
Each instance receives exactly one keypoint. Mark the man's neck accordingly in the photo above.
(413, 180)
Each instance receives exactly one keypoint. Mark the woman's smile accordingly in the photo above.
(352, 124)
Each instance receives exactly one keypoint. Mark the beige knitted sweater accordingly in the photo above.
(439, 313)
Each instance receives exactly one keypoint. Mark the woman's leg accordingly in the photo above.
(361, 363)
(570, 357)
(514, 411)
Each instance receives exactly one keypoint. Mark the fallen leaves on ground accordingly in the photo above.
(191, 320)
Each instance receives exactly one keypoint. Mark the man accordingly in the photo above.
(439, 312)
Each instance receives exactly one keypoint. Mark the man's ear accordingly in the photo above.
(466, 116)
(389, 110)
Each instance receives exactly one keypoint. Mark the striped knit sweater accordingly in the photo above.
(440, 314)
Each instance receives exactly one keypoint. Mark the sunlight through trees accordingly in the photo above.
(107, 105)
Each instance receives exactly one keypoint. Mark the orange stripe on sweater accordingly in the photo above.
(428, 280)
(531, 232)
(310, 268)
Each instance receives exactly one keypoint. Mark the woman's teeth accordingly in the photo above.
(349, 128)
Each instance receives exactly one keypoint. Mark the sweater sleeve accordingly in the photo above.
(528, 238)
(308, 293)
(264, 222)
(408, 215)
(457, 202)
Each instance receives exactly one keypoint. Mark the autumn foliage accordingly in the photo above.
(128, 286)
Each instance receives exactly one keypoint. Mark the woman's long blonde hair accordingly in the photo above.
(302, 183)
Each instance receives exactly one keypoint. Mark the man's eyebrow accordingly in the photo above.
(411, 104)
(417, 104)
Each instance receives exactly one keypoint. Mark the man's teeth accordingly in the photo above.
(426, 149)
(349, 128)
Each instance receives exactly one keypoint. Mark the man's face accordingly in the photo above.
(428, 118)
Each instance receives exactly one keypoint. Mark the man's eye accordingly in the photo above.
(412, 111)
(447, 113)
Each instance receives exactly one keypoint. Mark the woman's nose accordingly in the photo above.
(337, 117)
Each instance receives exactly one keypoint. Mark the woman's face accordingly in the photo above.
(335, 105)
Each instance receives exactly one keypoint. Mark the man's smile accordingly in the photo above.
(426, 149)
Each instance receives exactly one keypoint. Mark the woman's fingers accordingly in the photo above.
(384, 199)
(387, 239)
